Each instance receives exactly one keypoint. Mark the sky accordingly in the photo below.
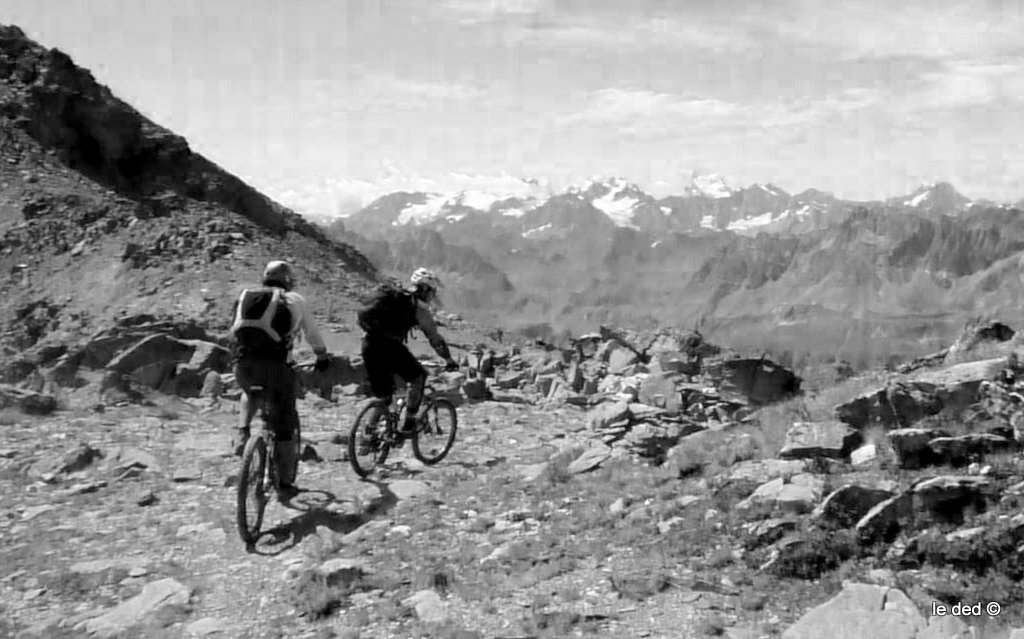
(326, 104)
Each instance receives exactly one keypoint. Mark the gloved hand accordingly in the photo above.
(322, 363)
(452, 365)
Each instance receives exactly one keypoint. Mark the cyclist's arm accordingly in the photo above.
(307, 326)
(426, 323)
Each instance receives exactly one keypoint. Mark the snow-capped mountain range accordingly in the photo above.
(708, 204)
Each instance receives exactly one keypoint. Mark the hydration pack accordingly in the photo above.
(262, 323)
(391, 310)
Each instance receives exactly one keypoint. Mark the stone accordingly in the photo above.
(764, 470)
(860, 610)
(607, 413)
(947, 496)
(808, 440)
(799, 495)
(476, 390)
(343, 571)
(911, 446)
(620, 359)
(761, 381)
(590, 459)
(848, 504)
(885, 519)
(209, 626)
(409, 488)
(428, 606)
(510, 379)
(660, 385)
(864, 455)
(959, 450)
(154, 596)
(72, 460)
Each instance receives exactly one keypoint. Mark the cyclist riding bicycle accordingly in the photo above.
(268, 321)
(387, 321)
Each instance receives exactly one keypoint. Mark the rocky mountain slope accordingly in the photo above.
(104, 214)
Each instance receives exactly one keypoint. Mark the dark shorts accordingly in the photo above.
(384, 358)
(279, 381)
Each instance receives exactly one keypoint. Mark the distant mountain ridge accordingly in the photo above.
(805, 271)
(707, 203)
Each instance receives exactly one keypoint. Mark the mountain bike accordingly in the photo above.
(258, 478)
(370, 440)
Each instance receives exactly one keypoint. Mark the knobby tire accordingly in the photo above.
(435, 409)
(362, 421)
(255, 461)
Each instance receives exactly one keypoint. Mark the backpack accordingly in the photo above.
(262, 323)
(390, 310)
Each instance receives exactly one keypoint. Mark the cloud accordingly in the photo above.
(641, 32)
(388, 92)
(470, 12)
(873, 28)
(343, 196)
(967, 84)
(633, 107)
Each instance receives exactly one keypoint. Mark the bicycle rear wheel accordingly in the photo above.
(252, 488)
(367, 442)
(436, 433)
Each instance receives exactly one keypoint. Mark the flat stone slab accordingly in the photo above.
(806, 440)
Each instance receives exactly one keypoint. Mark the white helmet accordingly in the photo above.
(280, 272)
(425, 278)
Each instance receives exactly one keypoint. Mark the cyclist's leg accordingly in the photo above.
(245, 376)
(286, 423)
(409, 369)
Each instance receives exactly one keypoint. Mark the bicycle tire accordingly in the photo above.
(435, 407)
(256, 452)
(380, 454)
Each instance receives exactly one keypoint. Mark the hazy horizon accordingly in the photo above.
(324, 105)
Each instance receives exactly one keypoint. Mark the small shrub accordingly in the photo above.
(813, 554)
(313, 597)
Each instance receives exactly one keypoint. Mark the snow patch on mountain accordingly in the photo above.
(708, 222)
(514, 212)
(619, 209)
(420, 213)
(748, 223)
(534, 232)
(711, 185)
(916, 200)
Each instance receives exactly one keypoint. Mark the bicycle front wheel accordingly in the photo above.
(436, 433)
(367, 443)
(252, 488)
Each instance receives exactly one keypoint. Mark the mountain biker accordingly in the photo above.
(268, 322)
(387, 322)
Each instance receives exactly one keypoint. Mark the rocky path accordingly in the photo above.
(122, 522)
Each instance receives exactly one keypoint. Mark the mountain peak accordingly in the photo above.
(710, 185)
(937, 195)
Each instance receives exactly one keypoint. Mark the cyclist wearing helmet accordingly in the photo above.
(268, 321)
(387, 322)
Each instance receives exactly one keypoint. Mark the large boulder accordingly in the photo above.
(884, 520)
(799, 494)
(859, 611)
(660, 390)
(946, 497)
(911, 446)
(806, 440)
(760, 381)
(901, 404)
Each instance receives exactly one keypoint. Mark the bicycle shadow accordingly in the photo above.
(315, 513)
